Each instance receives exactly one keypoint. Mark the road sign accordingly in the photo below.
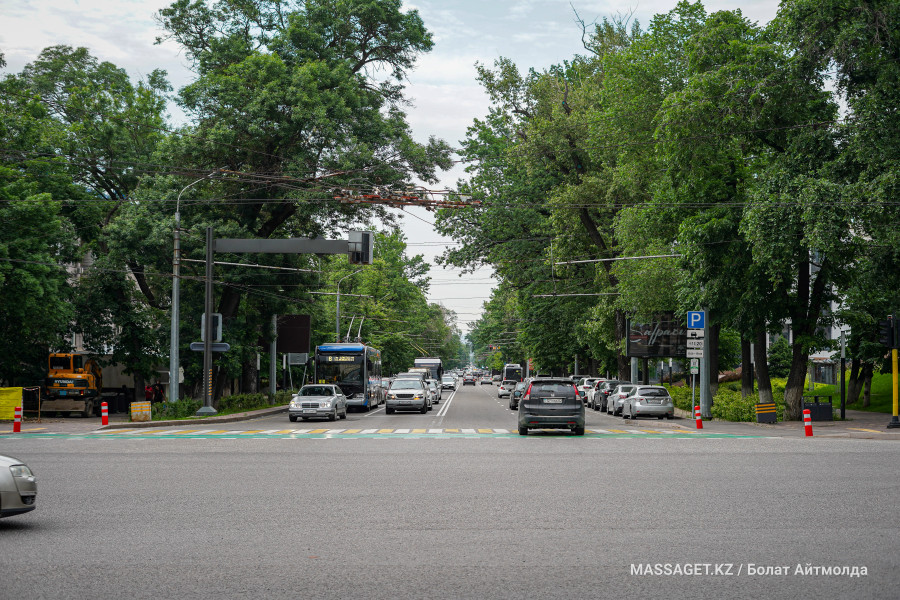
(215, 346)
(697, 343)
(695, 362)
(695, 333)
(696, 319)
(694, 353)
(695, 370)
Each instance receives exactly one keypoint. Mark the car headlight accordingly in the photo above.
(417, 397)
(295, 404)
(20, 471)
(325, 404)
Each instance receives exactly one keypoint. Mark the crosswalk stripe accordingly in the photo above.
(468, 431)
(435, 431)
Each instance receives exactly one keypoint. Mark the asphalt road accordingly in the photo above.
(494, 516)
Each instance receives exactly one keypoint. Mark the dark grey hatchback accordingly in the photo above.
(551, 403)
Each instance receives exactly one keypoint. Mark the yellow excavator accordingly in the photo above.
(74, 384)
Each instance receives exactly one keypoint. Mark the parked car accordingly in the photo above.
(551, 404)
(18, 488)
(616, 399)
(603, 392)
(487, 380)
(408, 394)
(468, 378)
(592, 393)
(448, 382)
(584, 384)
(516, 395)
(435, 389)
(506, 388)
(650, 401)
(318, 401)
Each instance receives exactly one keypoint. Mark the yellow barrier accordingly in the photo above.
(10, 398)
(140, 411)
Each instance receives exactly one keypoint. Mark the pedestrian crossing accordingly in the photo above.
(422, 432)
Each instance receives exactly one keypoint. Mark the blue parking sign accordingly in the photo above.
(696, 319)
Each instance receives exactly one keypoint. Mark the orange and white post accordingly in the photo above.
(698, 417)
(807, 422)
(17, 421)
(104, 413)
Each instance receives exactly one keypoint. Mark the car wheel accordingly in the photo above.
(293, 418)
(578, 430)
(523, 430)
(344, 414)
(305, 418)
(388, 411)
(660, 417)
(333, 416)
(670, 416)
(424, 408)
(88, 408)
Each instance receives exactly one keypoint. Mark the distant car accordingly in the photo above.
(18, 488)
(496, 378)
(517, 395)
(506, 388)
(650, 401)
(318, 401)
(487, 380)
(448, 382)
(468, 378)
(584, 385)
(551, 404)
(407, 394)
(616, 398)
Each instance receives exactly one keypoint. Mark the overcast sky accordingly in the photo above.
(446, 97)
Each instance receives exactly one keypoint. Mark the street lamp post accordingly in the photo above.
(337, 328)
(176, 292)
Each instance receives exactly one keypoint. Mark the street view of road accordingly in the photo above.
(266, 508)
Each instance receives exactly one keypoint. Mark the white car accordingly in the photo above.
(584, 385)
(18, 489)
(318, 400)
(506, 388)
(448, 382)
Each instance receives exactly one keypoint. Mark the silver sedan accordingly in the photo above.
(649, 401)
(18, 488)
(322, 401)
(616, 399)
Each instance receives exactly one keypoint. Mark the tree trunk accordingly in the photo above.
(713, 349)
(867, 371)
(621, 336)
(762, 368)
(139, 384)
(796, 380)
(746, 370)
(854, 387)
(249, 376)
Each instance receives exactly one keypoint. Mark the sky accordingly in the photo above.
(445, 95)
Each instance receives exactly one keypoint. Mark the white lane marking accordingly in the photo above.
(368, 431)
(401, 431)
(435, 431)
(373, 411)
(467, 430)
(443, 411)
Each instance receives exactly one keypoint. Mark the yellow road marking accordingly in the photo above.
(869, 430)
(284, 431)
(418, 431)
(385, 431)
(485, 431)
(319, 431)
(220, 431)
(249, 432)
(35, 429)
(183, 432)
(619, 431)
(353, 431)
(452, 430)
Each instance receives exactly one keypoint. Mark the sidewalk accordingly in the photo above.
(121, 421)
(859, 424)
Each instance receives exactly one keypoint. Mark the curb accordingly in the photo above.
(245, 416)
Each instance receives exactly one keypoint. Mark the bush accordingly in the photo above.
(183, 409)
(728, 404)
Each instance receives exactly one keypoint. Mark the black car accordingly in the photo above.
(551, 403)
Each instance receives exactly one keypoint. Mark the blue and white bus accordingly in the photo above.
(355, 368)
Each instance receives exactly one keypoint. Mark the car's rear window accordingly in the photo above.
(653, 392)
(552, 388)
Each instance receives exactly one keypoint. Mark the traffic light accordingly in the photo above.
(887, 333)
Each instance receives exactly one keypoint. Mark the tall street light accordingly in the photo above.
(338, 311)
(174, 384)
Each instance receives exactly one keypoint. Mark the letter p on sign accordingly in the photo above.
(696, 319)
